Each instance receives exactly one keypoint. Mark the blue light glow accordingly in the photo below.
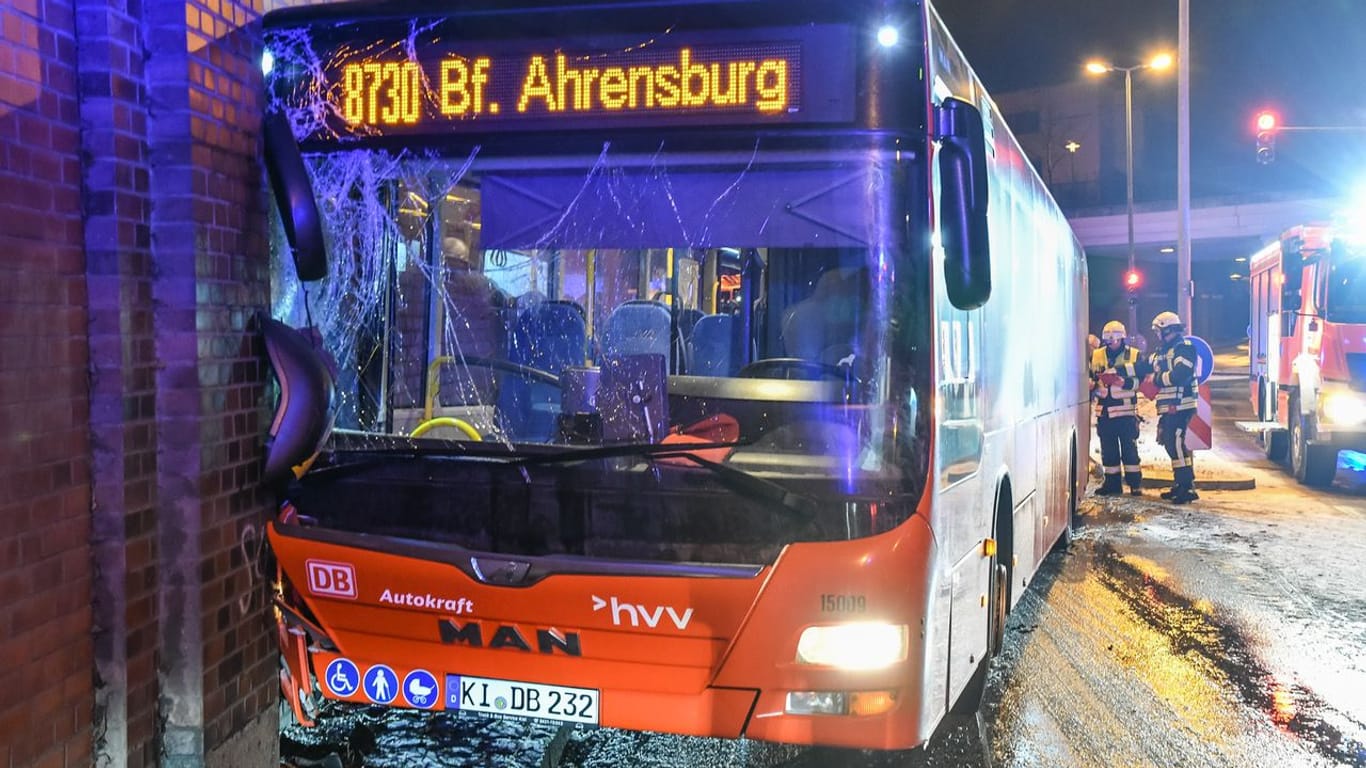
(267, 62)
(887, 36)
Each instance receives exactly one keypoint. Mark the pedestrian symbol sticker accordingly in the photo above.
(420, 689)
(381, 684)
(342, 677)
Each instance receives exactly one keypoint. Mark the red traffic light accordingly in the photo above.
(1268, 125)
(1133, 279)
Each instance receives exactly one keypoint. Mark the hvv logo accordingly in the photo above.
(635, 614)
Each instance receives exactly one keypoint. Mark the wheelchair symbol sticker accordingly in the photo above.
(381, 684)
(342, 677)
(420, 689)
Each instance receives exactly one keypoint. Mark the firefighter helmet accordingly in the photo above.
(1166, 321)
(1114, 331)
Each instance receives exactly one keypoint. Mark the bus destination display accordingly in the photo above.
(379, 88)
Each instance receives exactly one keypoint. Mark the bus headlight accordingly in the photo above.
(1347, 409)
(854, 646)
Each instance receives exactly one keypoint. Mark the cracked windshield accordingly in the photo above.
(501, 306)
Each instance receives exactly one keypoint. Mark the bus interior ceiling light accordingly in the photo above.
(887, 36)
(868, 645)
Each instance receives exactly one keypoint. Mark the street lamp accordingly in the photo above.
(1159, 62)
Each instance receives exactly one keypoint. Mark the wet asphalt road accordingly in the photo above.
(1231, 632)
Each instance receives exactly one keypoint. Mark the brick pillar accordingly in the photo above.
(218, 664)
(123, 364)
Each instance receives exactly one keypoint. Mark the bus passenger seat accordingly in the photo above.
(685, 320)
(550, 336)
(638, 328)
(710, 346)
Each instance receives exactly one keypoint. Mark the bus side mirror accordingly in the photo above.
(963, 202)
(304, 413)
(294, 196)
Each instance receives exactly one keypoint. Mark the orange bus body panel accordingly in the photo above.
(679, 654)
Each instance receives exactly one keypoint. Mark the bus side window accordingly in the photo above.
(960, 433)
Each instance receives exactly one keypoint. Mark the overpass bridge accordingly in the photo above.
(1224, 234)
(1220, 229)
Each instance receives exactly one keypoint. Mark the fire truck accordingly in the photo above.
(1307, 353)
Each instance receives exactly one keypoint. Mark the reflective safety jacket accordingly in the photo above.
(1116, 399)
(1174, 374)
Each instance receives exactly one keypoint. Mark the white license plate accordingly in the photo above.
(514, 699)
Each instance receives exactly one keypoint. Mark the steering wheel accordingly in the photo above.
(447, 421)
(793, 368)
(525, 371)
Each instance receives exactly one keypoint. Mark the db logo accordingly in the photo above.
(335, 579)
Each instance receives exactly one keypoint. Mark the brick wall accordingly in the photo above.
(131, 397)
(45, 580)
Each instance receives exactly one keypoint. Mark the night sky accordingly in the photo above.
(1306, 58)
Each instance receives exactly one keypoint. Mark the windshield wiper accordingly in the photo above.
(752, 486)
(498, 453)
(619, 450)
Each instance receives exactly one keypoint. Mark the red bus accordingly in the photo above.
(710, 368)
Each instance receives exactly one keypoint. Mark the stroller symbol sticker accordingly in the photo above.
(420, 689)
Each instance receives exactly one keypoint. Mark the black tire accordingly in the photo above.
(1312, 465)
(1274, 442)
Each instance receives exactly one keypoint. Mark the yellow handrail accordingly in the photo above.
(433, 379)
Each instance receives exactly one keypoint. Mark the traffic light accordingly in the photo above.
(1133, 280)
(1267, 125)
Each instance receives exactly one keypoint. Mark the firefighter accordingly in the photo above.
(1115, 373)
(1173, 367)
